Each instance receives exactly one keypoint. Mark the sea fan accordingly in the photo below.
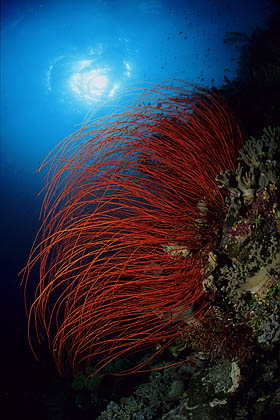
(130, 215)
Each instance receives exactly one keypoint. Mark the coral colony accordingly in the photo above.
(152, 222)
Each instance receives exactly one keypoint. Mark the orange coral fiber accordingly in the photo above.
(130, 213)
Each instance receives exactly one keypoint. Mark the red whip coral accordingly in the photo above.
(130, 214)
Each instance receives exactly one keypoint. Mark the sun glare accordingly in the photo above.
(90, 85)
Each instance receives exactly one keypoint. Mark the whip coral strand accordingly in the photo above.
(130, 213)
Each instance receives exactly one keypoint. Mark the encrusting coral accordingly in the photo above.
(249, 246)
(245, 268)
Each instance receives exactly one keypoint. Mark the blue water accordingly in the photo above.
(63, 59)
